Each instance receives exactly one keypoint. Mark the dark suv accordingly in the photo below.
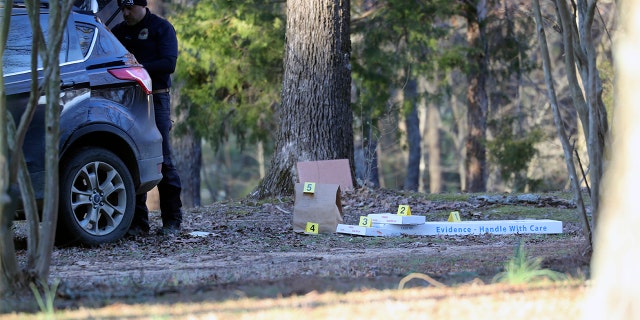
(110, 148)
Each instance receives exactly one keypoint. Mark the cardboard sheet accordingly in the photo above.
(326, 171)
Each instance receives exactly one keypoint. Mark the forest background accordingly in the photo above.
(410, 62)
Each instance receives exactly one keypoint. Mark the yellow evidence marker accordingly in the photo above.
(404, 210)
(365, 222)
(311, 228)
(454, 216)
(309, 187)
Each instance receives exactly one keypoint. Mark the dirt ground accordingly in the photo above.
(248, 249)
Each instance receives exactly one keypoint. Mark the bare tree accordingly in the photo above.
(315, 117)
(566, 146)
(585, 87)
(42, 234)
(586, 91)
(8, 269)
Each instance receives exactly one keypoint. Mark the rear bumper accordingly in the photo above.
(148, 141)
(150, 174)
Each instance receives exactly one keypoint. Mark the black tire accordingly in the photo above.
(97, 197)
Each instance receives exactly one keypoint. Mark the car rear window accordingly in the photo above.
(17, 54)
(86, 36)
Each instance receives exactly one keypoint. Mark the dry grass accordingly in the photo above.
(471, 301)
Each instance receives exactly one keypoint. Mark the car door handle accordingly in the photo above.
(66, 85)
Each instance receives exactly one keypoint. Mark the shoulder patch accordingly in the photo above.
(144, 34)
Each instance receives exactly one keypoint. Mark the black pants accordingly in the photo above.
(170, 186)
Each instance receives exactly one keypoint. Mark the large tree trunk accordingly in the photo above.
(412, 180)
(315, 117)
(615, 292)
(477, 101)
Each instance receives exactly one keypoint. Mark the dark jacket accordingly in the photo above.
(154, 44)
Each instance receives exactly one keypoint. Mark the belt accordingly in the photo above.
(165, 90)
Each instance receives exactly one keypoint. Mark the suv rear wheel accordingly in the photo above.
(97, 197)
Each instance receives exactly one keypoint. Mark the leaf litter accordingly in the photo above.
(247, 248)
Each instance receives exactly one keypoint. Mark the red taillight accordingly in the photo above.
(138, 74)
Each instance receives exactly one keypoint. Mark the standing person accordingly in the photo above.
(152, 40)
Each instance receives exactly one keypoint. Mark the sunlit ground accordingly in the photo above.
(546, 301)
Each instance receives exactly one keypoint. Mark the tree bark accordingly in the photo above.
(412, 180)
(477, 101)
(315, 117)
(52, 157)
(58, 15)
(8, 262)
(188, 156)
(10, 276)
(9, 272)
(187, 153)
(615, 293)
